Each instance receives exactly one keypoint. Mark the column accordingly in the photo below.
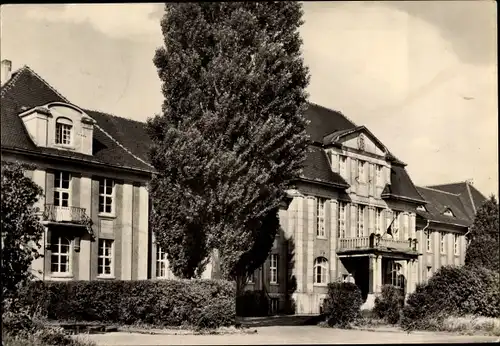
(353, 224)
(126, 248)
(311, 203)
(333, 239)
(85, 248)
(372, 271)
(143, 238)
(299, 246)
(378, 274)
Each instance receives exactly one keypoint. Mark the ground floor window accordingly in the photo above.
(274, 305)
(60, 260)
(320, 270)
(397, 277)
(161, 263)
(105, 258)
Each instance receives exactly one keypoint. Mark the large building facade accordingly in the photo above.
(92, 165)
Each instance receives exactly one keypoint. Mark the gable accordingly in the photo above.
(361, 141)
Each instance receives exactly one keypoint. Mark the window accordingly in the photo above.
(378, 176)
(320, 270)
(105, 258)
(343, 166)
(60, 260)
(456, 247)
(395, 225)
(106, 192)
(61, 189)
(250, 278)
(361, 171)
(361, 221)
(161, 263)
(342, 220)
(428, 241)
(421, 208)
(429, 272)
(63, 131)
(442, 242)
(274, 305)
(320, 217)
(378, 220)
(397, 278)
(274, 268)
(448, 212)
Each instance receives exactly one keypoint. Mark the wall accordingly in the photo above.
(127, 226)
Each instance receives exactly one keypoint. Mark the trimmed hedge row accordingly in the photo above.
(453, 291)
(198, 303)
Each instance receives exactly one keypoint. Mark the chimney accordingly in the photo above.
(6, 71)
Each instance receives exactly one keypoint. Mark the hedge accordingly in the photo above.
(389, 304)
(252, 304)
(453, 291)
(342, 305)
(197, 303)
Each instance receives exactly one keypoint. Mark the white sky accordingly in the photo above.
(421, 75)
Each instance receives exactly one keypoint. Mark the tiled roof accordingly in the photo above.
(317, 168)
(401, 185)
(471, 198)
(26, 90)
(440, 201)
(323, 121)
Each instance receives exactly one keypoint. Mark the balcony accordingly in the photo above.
(57, 214)
(369, 244)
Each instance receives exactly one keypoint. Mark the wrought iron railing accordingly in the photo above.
(56, 213)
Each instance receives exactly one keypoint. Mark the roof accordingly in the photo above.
(323, 121)
(317, 168)
(114, 138)
(471, 198)
(440, 201)
(401, 186)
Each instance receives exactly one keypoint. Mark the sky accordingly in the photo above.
(422, 76)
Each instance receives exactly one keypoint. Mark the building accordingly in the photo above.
(95, 165)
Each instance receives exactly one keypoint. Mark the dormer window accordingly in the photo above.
(421, 208)
(448, 212)
(64, 127)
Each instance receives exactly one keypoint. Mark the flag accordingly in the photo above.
(389, 230)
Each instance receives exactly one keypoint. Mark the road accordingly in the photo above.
(288, 335)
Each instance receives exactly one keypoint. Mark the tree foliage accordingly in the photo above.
(484, 247)
(21, 228)
(231, 137)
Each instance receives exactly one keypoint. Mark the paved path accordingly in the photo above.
(288, 335)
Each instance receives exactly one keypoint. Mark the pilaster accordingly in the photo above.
(333, 239)
(311, 204)
(299, 246)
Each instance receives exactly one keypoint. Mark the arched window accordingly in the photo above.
(64, 127)
(397, 277)
(60, 261)
(320, 270)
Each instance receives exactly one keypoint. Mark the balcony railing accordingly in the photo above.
(358, 243)
(54, 213)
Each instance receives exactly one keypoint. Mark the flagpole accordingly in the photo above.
(394, 218)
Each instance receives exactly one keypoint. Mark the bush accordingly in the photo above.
(342, 305)
(252, 304)
(389, 304)
(197, 303)
(453, 291)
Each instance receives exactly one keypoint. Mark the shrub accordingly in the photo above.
(342, 305)
(197, 303)
(252, 304)
(389, 304)
(453, 291)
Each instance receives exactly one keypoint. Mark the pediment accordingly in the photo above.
(359, 138)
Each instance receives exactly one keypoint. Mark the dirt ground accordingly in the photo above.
(289, 335)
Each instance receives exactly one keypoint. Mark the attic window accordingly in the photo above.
(64, 127)
(421, 208)
(448, 212)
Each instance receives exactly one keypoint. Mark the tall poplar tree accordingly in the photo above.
(231, 136)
